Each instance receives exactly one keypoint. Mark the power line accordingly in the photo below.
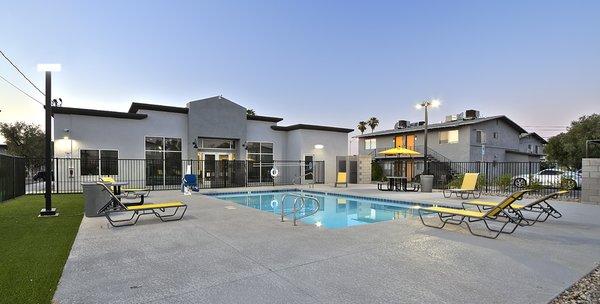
(18, 70)
(14, 86)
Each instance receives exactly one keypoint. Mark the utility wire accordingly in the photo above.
(18, 70)
(14, 86)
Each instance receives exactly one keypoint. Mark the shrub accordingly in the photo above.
(456, 181)
(535, 185)
(376, 172)
(504, 181)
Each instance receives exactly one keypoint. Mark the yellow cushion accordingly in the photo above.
(107, 179)
(341, 177)
(492, 204)
(469, 181)
(462, 212)
(155, 206)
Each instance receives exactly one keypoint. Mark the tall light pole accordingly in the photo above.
(48, 69)
(433, 103)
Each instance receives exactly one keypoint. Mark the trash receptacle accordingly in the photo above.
(426, 183)
(95, 199)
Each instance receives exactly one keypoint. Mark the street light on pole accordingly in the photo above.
(431, 103)
(48, 69)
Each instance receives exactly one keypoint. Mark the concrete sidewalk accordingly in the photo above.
(242, 255)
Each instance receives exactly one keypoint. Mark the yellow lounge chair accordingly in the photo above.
(145, 192)
(539, 206)
(115, 206)
(458, 216)
(468, 187)
(341, 179)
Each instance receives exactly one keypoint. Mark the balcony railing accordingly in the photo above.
(419, 148)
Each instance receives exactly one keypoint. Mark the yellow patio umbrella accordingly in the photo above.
(399, 151)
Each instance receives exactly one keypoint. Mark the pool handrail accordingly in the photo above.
(295, 207)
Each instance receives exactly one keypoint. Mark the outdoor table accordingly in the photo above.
(117, 186)
(394, 180)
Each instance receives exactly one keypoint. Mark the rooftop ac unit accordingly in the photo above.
(401, 124)
(471, 114)
(450, 118)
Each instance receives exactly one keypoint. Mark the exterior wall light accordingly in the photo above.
(319, 146)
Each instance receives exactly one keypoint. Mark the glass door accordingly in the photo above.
(308, 168)
(210, 166)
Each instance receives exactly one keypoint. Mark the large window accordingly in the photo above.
(449, 137)
(260, 161)
(99, 162)
(216, 143)
(163, 160)
(370, 144)
(480, 136)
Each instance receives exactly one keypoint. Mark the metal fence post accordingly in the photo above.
(55, 172)
(487, 177)
(529, 174)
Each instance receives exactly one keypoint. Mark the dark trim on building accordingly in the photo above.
(448, 125)
(537, 136)
(136, 106)
(311, 127)
(98, 113)
(263, 118)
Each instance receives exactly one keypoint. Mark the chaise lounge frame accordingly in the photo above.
(457, 216)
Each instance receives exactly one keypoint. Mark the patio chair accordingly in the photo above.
(341, 179)
(497, 214)
(144, 192)
(191, 182)
(468, 187)
(115, 206)
(539, 206)
(414, 185)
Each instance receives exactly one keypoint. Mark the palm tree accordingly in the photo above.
(250, 112)
(373, 122)
(362, 126)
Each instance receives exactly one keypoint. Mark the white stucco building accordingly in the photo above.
(200, 135)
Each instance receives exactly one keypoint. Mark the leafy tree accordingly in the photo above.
(568, 148)
(373, 122)
(25, 140)
(250, 112)
(362, 126)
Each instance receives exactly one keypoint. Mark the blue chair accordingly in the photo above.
(190, 181)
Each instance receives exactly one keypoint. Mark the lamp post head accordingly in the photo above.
(430, 103)
(48, 67)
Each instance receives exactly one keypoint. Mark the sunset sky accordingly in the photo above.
(320, 62)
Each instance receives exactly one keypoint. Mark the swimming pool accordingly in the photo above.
(335, 210)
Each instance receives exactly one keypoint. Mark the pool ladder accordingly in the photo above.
(299, 204)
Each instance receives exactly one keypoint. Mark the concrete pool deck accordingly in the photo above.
(242, 255)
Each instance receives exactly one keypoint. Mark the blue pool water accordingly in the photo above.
(336, 211)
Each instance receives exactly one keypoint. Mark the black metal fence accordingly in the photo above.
(12, 177)
(496, 178)
(161, 174)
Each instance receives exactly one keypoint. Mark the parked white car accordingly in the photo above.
(549, 177)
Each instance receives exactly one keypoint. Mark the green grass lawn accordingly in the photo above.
(33, 250)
